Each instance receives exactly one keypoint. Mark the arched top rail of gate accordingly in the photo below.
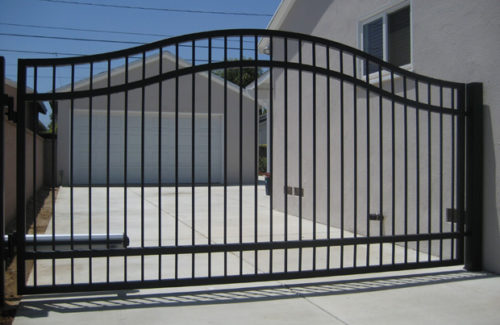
(246, 48)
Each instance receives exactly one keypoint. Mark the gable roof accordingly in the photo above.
(13, 87)
(151, 60)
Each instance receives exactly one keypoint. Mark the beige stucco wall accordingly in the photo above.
(452, 40)
(10, 165)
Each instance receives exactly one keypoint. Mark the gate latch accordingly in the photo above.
(451, 215)
(375, 217)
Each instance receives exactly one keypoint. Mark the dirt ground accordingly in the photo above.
(44, 208)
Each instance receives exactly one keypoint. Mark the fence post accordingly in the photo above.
(2, 209)
(474, 178)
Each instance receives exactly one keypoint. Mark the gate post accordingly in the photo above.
(474, 178)
(21, 176)
(2, 141)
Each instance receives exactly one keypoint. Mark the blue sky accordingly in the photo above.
(59, 14)
(54, 15)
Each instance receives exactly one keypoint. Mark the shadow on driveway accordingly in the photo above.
(40, 306)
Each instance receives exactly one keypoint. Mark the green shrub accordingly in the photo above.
(263, 150)
(262, 164)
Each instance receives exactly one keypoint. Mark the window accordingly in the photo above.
(388, 37)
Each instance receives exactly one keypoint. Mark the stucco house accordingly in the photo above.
(443, 39)
(130, 112)
(263, 100)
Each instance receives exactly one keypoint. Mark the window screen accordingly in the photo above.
(373, 41)
(399, 37)
(388, 38)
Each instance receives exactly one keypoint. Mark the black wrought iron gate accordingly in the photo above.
(157, 179)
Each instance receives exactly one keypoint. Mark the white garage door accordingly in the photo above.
(151, 148)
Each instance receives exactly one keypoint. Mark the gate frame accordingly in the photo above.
(469, 179)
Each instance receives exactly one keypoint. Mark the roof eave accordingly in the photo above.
(276, 21)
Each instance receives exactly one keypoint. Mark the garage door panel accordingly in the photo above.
(151, 145)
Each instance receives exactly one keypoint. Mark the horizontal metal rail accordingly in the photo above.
(236, 33)
(150, 284)
(236, 64)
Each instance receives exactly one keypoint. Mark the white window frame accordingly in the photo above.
(384, 13)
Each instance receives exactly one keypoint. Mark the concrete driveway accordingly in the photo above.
(444, 295)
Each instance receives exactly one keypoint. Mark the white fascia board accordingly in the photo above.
(277, 21)
(263, 89)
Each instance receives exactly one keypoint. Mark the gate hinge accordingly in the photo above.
(8, 102)
(9, 245)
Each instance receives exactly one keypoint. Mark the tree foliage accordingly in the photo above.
(233, 74)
